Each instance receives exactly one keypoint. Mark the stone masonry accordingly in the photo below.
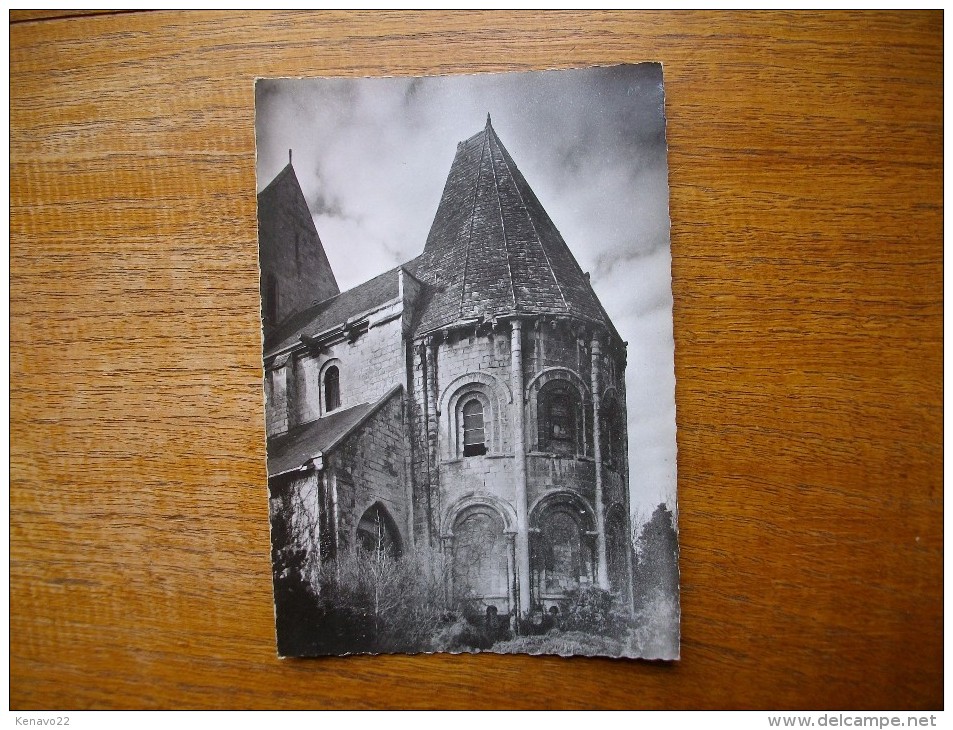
(471, 401)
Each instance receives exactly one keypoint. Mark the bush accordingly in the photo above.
(296, 612)
(311, 624)
(656, 635)
(461, 635)
(595, 611)
(382, 604)
(656, 587)
(563, 643)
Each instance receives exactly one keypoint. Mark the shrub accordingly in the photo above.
(594, 611)
(461, 635)
(296, 611)
(656, 635)
(384, 604)
(656, 587)
(564, 643)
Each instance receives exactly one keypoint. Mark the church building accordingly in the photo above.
(471, 400)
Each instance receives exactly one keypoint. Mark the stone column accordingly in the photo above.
(447, 545)
(519, 468)
(511, 574)
(602, 573)
(429, 358)
(336, 521)
(630, 594)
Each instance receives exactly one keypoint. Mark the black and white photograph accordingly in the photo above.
(468, 354)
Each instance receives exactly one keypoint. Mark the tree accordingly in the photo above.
(373, 601)
(656, 585)
(656, 553)
(295, 563)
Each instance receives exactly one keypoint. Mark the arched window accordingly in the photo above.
(474, 431)
(479, 555)
(561, 556)
(332, 388)
(562, 425)
(560, 417)
(377, 534)
(471, 410)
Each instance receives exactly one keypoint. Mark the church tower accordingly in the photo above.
(516, 399)
(470, 402)
(295, 272)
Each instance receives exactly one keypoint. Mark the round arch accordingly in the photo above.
(481, 556)
(504, 510)
(333, 362)
(493, 383)
(558, 373)
(548, 380)
(563, 497)
(611, 393)
(492, 394)
(562, 546)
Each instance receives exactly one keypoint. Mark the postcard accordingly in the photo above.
(466, 310)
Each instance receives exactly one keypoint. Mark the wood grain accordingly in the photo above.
(806, 204)
(28, 16)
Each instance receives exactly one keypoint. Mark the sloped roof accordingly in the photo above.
(282, 213)
(492, 249)
(335, 311)
(291, 450)
(282, 183)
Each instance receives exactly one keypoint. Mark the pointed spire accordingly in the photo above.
(289, 155)
(494, 249)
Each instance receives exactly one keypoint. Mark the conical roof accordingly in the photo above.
(493, 251)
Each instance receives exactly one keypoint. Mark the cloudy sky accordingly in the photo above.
(372, 157)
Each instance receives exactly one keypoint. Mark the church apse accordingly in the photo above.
(457, 422)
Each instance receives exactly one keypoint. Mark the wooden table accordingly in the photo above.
(806, 201)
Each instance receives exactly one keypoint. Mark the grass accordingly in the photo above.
(564, 643)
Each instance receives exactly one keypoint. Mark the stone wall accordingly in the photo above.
(368, 367)
(368, 467)
(294, 504)
(276, 401)
(548, 473)
(481, 360)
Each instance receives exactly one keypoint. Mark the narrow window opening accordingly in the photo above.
(474, 432)
(560, 419)
(613, 448)
(332, 389)
(377, 535)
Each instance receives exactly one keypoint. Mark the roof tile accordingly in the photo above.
(293, 449)
(335, 311)
(493, 250)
